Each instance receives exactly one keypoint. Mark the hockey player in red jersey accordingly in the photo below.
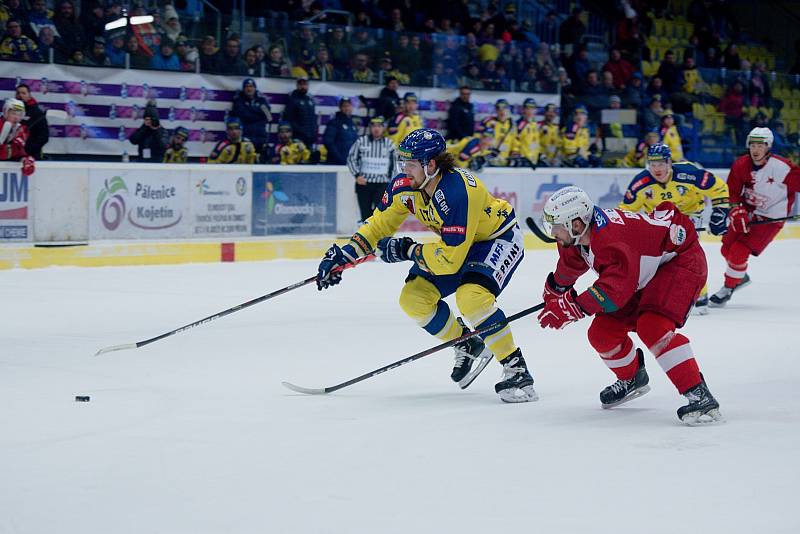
(762, 186)
(651, 270)
(14, 134)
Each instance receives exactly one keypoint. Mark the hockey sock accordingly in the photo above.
(672, 350)
(422, 302)
(478, 305)
(609, 337)
(737, 264)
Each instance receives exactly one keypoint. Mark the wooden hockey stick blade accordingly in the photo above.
(306, 391)
(113, 348)
(538, 231)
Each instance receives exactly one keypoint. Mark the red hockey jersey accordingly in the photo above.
(767, 191)
(626, 250)
(12, 140)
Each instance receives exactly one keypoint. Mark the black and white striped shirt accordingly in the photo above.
(372, 158)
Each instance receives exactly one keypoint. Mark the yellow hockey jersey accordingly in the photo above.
(226, 152)
(461, 212)
(402, 125)
(526, 140)
(550, 140)
(575, 141)
(176, 154)
(467, 149)
(504, 137)
(687, 188)
(671, 138)
(291, 153)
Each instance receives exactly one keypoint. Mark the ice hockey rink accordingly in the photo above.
(195, 434)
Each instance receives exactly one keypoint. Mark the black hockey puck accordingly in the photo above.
(81, 398)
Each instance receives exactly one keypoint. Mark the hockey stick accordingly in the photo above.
(409, 359)
(538, 231)
(229, 311)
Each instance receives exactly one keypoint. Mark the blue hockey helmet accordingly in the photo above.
(529, 103)
(423, 145)
(183, 132)
(659, 152)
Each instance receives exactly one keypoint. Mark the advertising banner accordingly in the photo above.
(294, 203)
(15, 213)
(142, 203)
(221, 203)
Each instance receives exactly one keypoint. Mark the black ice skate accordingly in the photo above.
(623, 391)
(471, 358)
(702, 408)
(721, 297)
(701, 306)
(517, 383)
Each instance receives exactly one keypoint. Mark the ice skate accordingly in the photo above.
(703, 408)
(471, 359)
(623, 391)
(701, 306)
(517, 383)
(721, 297)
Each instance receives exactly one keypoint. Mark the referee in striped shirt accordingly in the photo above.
(371, 160)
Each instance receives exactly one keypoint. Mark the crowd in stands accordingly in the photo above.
(683, 75)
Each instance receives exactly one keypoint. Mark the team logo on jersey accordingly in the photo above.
(408, 202)
(648, 194)
(600, 219)
(682, 190)
(439, 196)
(385, 198)
(677, 234)
(454, 230)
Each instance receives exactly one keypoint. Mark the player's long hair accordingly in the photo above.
(445, 162)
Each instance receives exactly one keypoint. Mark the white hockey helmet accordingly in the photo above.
(566, 205)
(13, 104)
(760, 135)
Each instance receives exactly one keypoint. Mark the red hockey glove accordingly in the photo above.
(28, 165)
(552, 290)
(739, 219)
(561, 311)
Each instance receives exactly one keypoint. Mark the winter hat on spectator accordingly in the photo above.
(248, 81)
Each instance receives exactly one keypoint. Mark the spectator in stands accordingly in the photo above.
(579, 65)
(300, 113)
(209, 55)
(115, 47)
(166, 59)
(670, 74)
(571, 31)
(339, 51)
(656, 88)
(652, 115)
(471, 77)
(547, 29)
(97, 54)
(289, 151)
(781, 145)
(575, 142)
(461, 116)
(670, 136)
(70, 30)
(363, 42)
(388, 100)
(276, 64)
(177, 152)
(565, 84)
(371, 161)
(39, 17)
(633, 95)
(547, 79)
(732, 105)
(93, 20)
(251, 65)
(149, 137)
(253, 111)
(321, 68)
(361, 71)
(48, 42)
(389, 71)
(170, 25)
(77, 58)
(148, 34)
(608, 84)
(490, 78)
(234, 148)
(759, 86)
(594, 95)
(187, 54)
(340, 133)
(138, 59)
(759, 121)
(407, 120)
(11, 9)
(543, 56)
(637, 157)
(620, 69)
(730, 58)
(17, 46)
(35, 120)
(231, 62)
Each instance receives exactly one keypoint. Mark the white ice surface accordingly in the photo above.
(195, 434)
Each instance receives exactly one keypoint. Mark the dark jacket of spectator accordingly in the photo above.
(671, 75)
(150, 138)
(300, 112)
(572, 29)
(69, 28)
(632, 95)
(460, 119)
(38, 131)
(388, 100)
(251, 111)
(340, 134)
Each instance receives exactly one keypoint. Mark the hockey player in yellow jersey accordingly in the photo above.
(575, 141)
(504, 132)
(670, 136)
(235, 148)
(473, 152)
(527, 146)
(478, 249)
(176, 151)
(289, 150)
(406, 121)
(637, 156)
(687, 186)
(549, 138)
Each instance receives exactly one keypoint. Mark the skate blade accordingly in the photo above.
(712, 304)
(524, 394)
(699, 418)
(477, 368)
(635, 394)
(700, 310)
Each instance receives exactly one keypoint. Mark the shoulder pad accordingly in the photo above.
(640, 181)
(401, 182)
